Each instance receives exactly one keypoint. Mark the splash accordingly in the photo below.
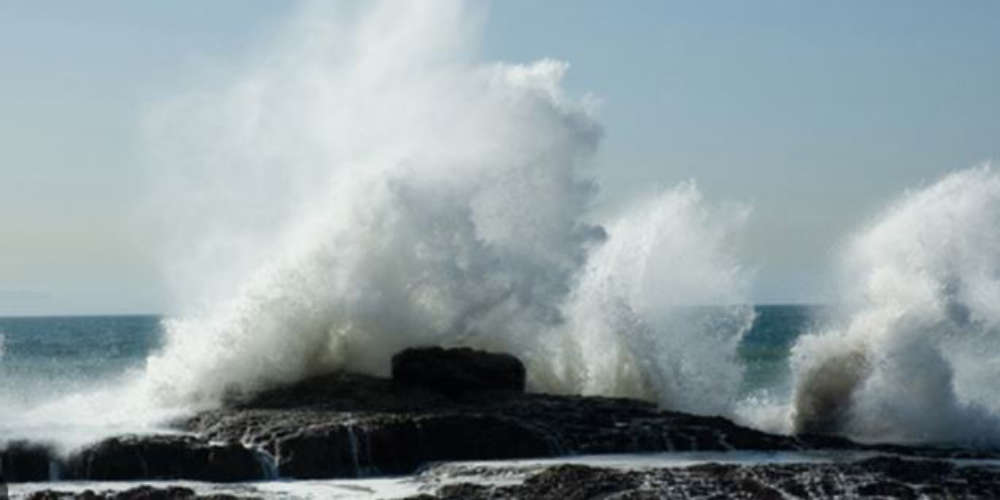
(366, 185)
(638, 314)
(915, 357)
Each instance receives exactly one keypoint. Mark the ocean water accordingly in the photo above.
(53, 356)
(63, 379)
(765, 348)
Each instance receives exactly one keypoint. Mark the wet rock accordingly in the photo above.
(398, 445)
(143, 492)
(354, 425)
(164, 457)
(858, 479)
(453, 371)
(21, 461)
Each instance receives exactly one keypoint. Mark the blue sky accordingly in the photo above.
(814, 113)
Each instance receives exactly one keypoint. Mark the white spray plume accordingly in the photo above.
(639, 312)
(367, 186)
(916, 356)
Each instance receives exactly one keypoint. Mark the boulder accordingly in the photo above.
(459, 370)
(21, 461)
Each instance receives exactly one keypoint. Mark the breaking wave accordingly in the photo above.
(914, 358)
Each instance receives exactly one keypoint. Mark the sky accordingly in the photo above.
(815, 114)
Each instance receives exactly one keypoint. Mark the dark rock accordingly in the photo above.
(21, 461)
(395, 445)
(164, 457)
(150, 493)
(345, 392)
(453, 371)
(859, 479)
(144, 492)
(886, 489)
(355, 425)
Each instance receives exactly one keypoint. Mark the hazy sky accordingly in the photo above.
(814, 113)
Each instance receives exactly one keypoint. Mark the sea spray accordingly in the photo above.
(639, 315)
(366, 185)
(915, 356)
(444, 205)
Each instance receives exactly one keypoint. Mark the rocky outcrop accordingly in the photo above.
(164, 457)
(879, 477)
(453, 371)
(21, 461)
(350, 425)
(365, 425)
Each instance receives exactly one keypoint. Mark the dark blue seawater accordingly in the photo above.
(40, 355)
(765, 348)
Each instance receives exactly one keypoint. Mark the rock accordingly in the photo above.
(354, 425)
(144, 492)
(21, 461)
(386, 444)
(164, 457)
(346, 392)
(454, 371)
(877, 477)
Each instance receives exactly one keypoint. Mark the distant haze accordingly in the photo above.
(814, 115)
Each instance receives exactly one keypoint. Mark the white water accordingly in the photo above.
(915, 357)
(367, 185)
(634, 315)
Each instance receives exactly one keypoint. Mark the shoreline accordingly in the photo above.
(446, 412)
